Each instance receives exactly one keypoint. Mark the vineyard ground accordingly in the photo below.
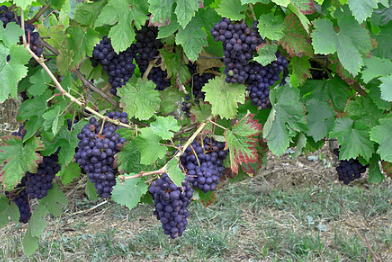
(289, 212)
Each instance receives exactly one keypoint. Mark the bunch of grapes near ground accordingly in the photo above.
(171, 204)
(349, 170)
(19, 196)
(239, 43)
(119, 67)
(97, 148)
(7, 16)
(202, 161)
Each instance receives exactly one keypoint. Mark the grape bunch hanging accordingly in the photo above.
(97, 146)
(349, 170)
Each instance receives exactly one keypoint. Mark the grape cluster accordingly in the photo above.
(186, 106)
(146, 47)
(171, 204)
(198, 81)
(21, 132)
(97, 148)
(262, 77)
(19, 196)
(203, 163)
(7, 16)
(119, 67)
(349, 170)
(38, 184)
(239, 42)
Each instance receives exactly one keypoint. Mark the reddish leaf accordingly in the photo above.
(337, 66)
(207, 198)
(305, 6)
(296, 41)
(387, 168)
(242, 143)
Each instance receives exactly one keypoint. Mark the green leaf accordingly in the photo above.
(8, 210)
(19, 157)
(87, 13)
(13, 71)
(362, 9)
(37, 224)
(122, 35)
(169, 100)
(185, 10)
(242, 142)
(130, 193)
(192, 38)
(139, 99)
(160, 10)
(296, 40)
(334, 89)
(165, 127)
(266, 53)
(232, 9)
(30, 243)
(364, 109)
(53, 118)
(128, 159)
(11, 34)
(111, 13)
(301, 70)
(301, 143)
(385, 87)
(70, 172)
(271, 26)
(91, 191)
(170, 29)
(201, 112)
(81, 43)
(23, 3)
(304, 20)
(284, 3)
(320, 119)
(381, 135)
(375, 175)
(39, 83)
(383, 39)
(354, 139)
(174, 172)
(217, 90)
(286, 111)
(376, 67)
(375, 94)
(172, 61)
(53, 200)
(148, 144)
(352, 41)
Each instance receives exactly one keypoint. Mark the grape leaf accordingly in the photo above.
(165, 127)
(81, 43)
(86, 13)
(172, 61)
(353, 138)
(266, 53)
(22, 3)
(56, 35)
(271, 26)
(39, 83)
(13, 71)
(334, 89)
(160, 10)
(53, 118)
(130, 193)
(301, 144)
(362, 9)
(376, 67)
(375, 175)
(90, 190)
(37, 224)
(304, 20)
(301, 70)
(217, 90)
(122, 35)
(201, 112)
(169, 100)
(70, 172)
(385, 87)
(174, 172)
(148, 144)
(128, 159)
(170, 28)
(383, 39)
(19, 157)
(363, 108)
(232, 9)
(320, 119)
(284, 3)
(381, 135)
(352, 41)
(112, 11)
(192, 38)
(375, 94)
(296, 40)
(286, 111)
(53, 200)
(11, 34)
(139, 99)
(305, 6)
(8, 210)
(242, 142)
(30, 243)
(185, 10)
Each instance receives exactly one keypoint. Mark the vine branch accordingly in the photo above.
(38, 15)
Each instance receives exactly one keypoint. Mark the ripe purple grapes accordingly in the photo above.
(349, 170)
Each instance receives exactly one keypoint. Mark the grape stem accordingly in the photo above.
(58, 85)
(177, 155)
(251, 11)
(212, 122)
(38, 15)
